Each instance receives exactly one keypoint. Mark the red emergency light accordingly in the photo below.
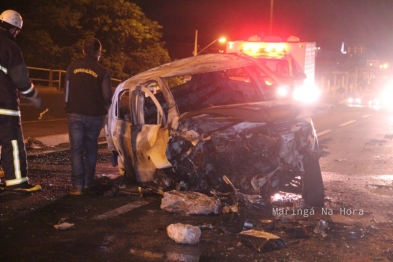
(271, 46)
(258, 48)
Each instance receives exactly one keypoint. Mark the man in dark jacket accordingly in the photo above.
(88, 96)
(14, 82)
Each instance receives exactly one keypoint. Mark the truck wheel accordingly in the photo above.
(312, 188)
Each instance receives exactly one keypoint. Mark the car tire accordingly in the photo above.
(312, 186)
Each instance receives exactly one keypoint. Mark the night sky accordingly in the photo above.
(367, 23)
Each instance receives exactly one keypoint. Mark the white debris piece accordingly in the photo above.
(187, 203)
(183, 233)
(42, 114)
(64, 226)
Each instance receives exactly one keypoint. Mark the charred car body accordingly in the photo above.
(191, 123)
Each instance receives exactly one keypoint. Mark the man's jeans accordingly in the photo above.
(83, 131)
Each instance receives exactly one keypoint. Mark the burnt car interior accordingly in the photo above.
(200, 91)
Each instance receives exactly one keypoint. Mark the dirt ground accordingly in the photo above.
(354, 225)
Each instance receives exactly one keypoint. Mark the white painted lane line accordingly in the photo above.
(347, 123)
(323, 132)
(121, 210)
(366, 116)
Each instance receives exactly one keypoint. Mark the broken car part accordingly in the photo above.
(341, 230)
(262, 241)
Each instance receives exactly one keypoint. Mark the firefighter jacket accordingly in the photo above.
(14, 76)
(88, 88)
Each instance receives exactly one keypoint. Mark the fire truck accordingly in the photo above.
(291, 60)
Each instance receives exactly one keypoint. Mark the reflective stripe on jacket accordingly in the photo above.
(14, 76)
(5, 70)
(8, 112)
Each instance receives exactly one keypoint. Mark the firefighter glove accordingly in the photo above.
(31, 96)
(34, 101)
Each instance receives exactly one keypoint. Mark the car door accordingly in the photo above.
(149, 140)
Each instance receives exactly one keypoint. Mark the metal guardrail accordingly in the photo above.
(53, 78)
(46, 77)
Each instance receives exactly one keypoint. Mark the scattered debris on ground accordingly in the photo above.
(184, 234)
(187, 203)
(64, 226)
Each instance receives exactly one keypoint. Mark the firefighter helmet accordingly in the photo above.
(12, 17)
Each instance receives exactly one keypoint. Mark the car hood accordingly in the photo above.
(265, 111)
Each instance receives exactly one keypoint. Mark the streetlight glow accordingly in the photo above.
(195, 52)
(222, 40)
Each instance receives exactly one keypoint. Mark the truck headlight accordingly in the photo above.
(306, 94)
(282, 91)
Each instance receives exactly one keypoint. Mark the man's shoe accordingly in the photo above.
(24, 188)
(76, 192)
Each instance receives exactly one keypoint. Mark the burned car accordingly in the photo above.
(195, 123)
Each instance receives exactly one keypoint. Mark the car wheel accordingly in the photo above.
(312, 188)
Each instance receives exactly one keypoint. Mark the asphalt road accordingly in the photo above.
(52, 106)
(42, 128)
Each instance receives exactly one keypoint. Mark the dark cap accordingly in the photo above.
(92, 46)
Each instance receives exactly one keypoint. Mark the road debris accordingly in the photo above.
(380, 186)
(120, 188)
(341, 160)
(64, 226)
(147, 254)
(345, 231)
(247, 225)
(206, 226)
(33, 143)
(187, 203)
(262, 241)
(268, 224)
(339, 230)
(121, 210)
(184, 233)
(296, 232)
(178, 256)
(320, 228)
(43, 113)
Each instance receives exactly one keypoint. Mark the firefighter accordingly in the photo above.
(14, 82)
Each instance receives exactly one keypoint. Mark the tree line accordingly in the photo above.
(54, 30)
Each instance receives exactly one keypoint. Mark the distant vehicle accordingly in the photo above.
(293, 61)
(381, 96)
(194, 122)
(354, 100)
(378, 97)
